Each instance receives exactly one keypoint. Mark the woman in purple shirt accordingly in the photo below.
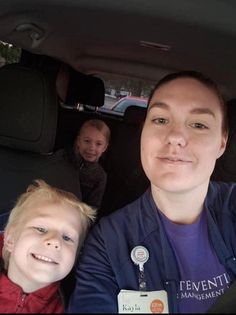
(173, 249)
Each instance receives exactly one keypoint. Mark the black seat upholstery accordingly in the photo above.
(126, 179)
(76, 88)
(225, 168)
(135, 115)
(28, 123)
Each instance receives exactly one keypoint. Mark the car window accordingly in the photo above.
(122, 92)
(123, 104)
(9, 53)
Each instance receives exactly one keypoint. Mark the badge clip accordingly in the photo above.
(140, 256)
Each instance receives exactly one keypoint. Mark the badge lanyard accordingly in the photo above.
(140, 256)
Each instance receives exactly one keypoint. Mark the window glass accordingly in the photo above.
(126, 102)
(9, 53)
(121, 92)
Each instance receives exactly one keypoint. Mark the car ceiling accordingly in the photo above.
(122, 36)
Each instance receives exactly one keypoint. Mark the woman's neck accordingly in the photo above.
(180, 207)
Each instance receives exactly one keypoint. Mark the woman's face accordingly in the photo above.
(182, 135)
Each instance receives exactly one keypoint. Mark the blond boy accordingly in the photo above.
(43, 235)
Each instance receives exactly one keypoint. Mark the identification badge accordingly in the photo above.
(142, 302)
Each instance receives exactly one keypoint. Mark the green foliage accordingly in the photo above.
(10, 53)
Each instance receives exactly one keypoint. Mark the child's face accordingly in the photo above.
(44, 248)
(91, 143)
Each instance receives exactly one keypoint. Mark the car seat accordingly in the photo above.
(28, 124)
(225, 168)
(126, 179)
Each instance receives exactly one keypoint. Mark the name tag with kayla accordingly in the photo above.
(142, 302)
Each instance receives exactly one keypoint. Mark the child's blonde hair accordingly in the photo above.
(100, 125)
(41, 192)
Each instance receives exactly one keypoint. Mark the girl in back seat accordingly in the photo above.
(90, 143)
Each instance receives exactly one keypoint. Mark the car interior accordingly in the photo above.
(67, 48)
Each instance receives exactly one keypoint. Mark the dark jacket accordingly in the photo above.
(92, 177)
(106, 267)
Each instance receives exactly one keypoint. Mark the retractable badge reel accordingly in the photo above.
(140, 256)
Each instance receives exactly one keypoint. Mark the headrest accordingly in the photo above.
(28, 109)
(135, 114)
(75, 87)
(85, 89)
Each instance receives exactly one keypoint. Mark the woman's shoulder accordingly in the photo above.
(218, 187)
(222, 195)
